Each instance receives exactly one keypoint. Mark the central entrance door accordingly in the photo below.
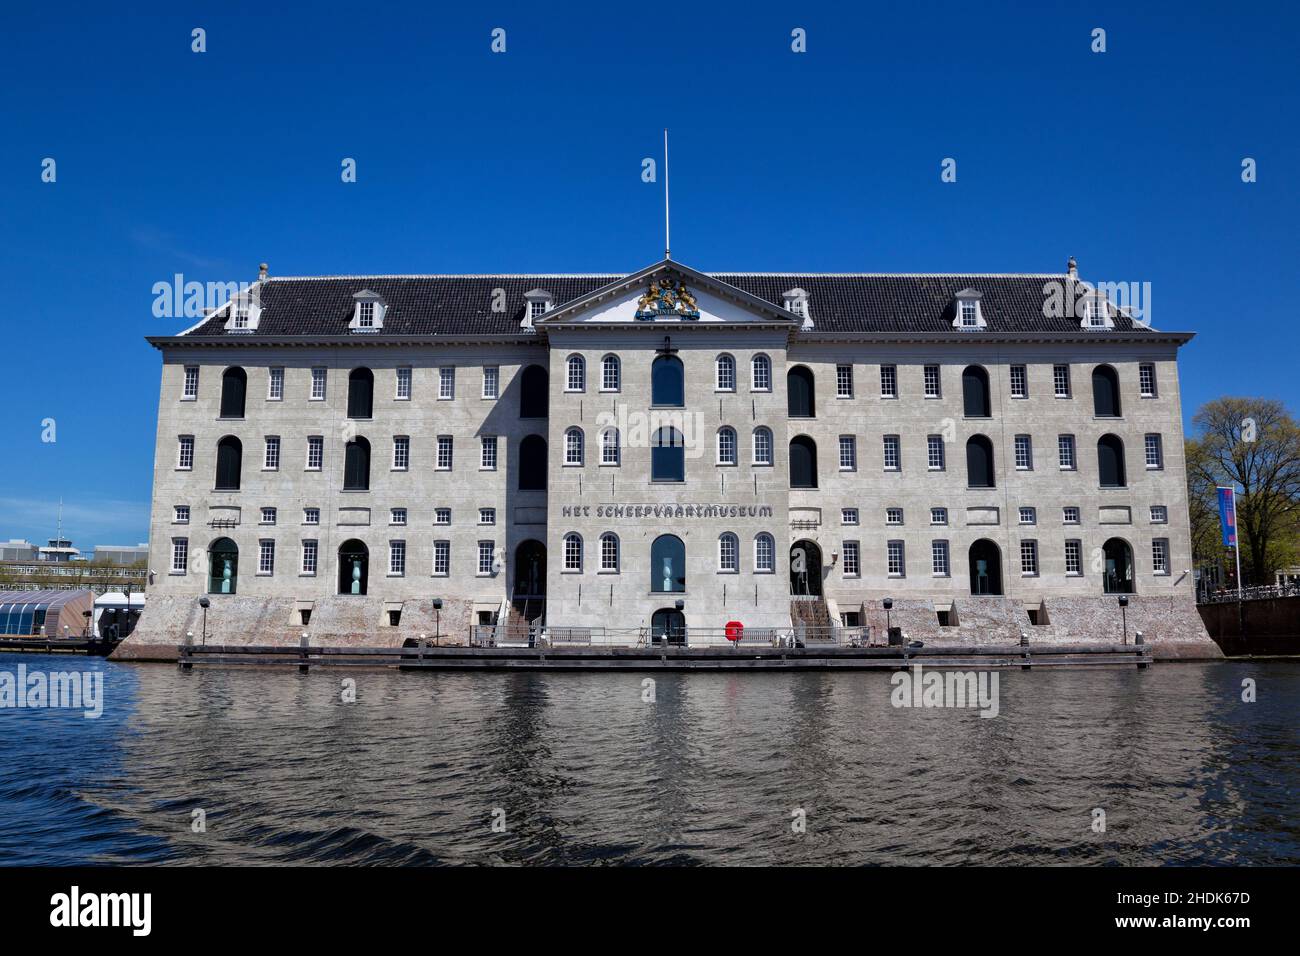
(806, 568)
(668, 624)
(529, 595)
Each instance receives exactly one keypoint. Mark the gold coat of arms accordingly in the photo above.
(666, 297)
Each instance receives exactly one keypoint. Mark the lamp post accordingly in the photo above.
(205, 603)
(437, 620)
(1123, 611)
(889, 631)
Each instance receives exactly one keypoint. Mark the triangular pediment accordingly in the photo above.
(668, 293)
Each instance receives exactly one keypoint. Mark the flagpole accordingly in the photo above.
(668, 254)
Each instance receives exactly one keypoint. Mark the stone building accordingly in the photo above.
(654, 455)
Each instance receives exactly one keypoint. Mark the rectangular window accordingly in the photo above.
(893, 516)
(969, 314)
(1147, 380)
(893, 456)
(1159, 514)
(180, 555)
(1019, 382)
(844, 381)
(488, 453)
(1061, 380)
(848, 516)
(728, 553)
(1160, 556)
(311, 516)
(848, 453)
(190, 390)
(1065, 452)
(401, 452)
(442, 516)
(268, 515)
(315, 452)
(894, 559)
(185, 453)
(396, 558)
(934, 452)
(444, 453)
(265, 556)
(446, 383)
(309, 556)
(181, 514)
(1024, 453)
(1028, 516)
(485, 549)
(852, 559)
(271, 458)
(932, 381)
(1070, 514)
(275, 385)
(938, 516)
(1073, 558)
(318, 385)
(403, 391)
(487, 515)
(889, 381)
(940, 566)
(441, 558)
(1155, 456)
(397, 516)
(366, 315)
(1029, 558)
(491, 381)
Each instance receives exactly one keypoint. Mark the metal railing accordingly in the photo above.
(560, 635)
(1259, 592)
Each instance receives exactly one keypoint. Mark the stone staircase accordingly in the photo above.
(811, 616)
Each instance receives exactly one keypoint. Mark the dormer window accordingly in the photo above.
(796, 301)
(969, 315)
(536, 309)
(536, 304)
(368, 312)
(1096, 312)
(244, 312)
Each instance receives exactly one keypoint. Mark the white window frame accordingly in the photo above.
(575, 451)
(180, 556)
(728, 553)
(310, 557)
(844, 380)
(1147, 386)
(1028, 558)
(271, 453)
(848, 446)
(401, 452)
(764, 553)
(316, 445)
(190, 384)
(852, 558)
(266, 557)
(763, 434)
(1061, 387)
(933, 381)
(1019, 381)
(940, 558)
(575, 374)
(724, 378)
(609, 553)
(397, 558)
(275, 383)
(728, 447)
(491, 381)
(889, 381)
(611, 453)
(896, 558)
(571, 553)
(446, 383)
(441, 559)
(760, 373)
(446, 453)
(934, 453)
(1024, 448)
(402, 384)
(487, 452)
(319, 382)
(1066, 453)
(184, 452)
(1153, 451)
(892, 449)
(611, 374)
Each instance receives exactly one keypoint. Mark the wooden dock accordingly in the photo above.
(57, 645)
(672, 658)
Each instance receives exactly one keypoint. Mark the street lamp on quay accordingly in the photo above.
(1123, 612)
(205, 604)
(889, 631)
(437, 620)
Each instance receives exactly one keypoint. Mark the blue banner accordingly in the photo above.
(1228, 515)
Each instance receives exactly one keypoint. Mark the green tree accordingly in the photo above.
(1253, 444)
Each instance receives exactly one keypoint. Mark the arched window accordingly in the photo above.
(573, 446)
(762, 445)
(727, 454)
(667, 564)
(1105, 392)
(361, 393)
(230, 454)
(760, 369)
(609, 447)
(575, 374)
(667, 381)
(764, 553)
(611, 377)
(532, 463)
(573, 551)
(1117, 577)
(726, 374)
(985, 567)
(803, 462)
(354, 567)
(609, 551)
(979, 462)
(975, 392)
(1110, 462)
(667, 455)
(533, 399)
(223, 566)
(234, 386)
(728, 553)
(356, 465)
(800, 400)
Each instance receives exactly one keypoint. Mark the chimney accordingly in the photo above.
(261, 272)
(1072, 268)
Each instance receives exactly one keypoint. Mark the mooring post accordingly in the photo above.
(1024, 650)
(185, 662)
(302, 644)
(420, 655)
(1140, 642)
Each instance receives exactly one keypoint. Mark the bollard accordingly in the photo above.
(1140, 642)
(420, 655)
(185, 662)
(302, 644)
(1024, 653)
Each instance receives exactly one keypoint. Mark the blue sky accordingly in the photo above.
(206, 164)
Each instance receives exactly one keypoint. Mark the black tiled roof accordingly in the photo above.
(462, 305)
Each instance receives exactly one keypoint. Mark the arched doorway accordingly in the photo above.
(1117, 575)
(985, 567)
(806, 568)
(668, 625)
(354, 567)
(223, 566)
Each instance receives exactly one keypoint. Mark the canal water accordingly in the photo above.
(790, 768)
